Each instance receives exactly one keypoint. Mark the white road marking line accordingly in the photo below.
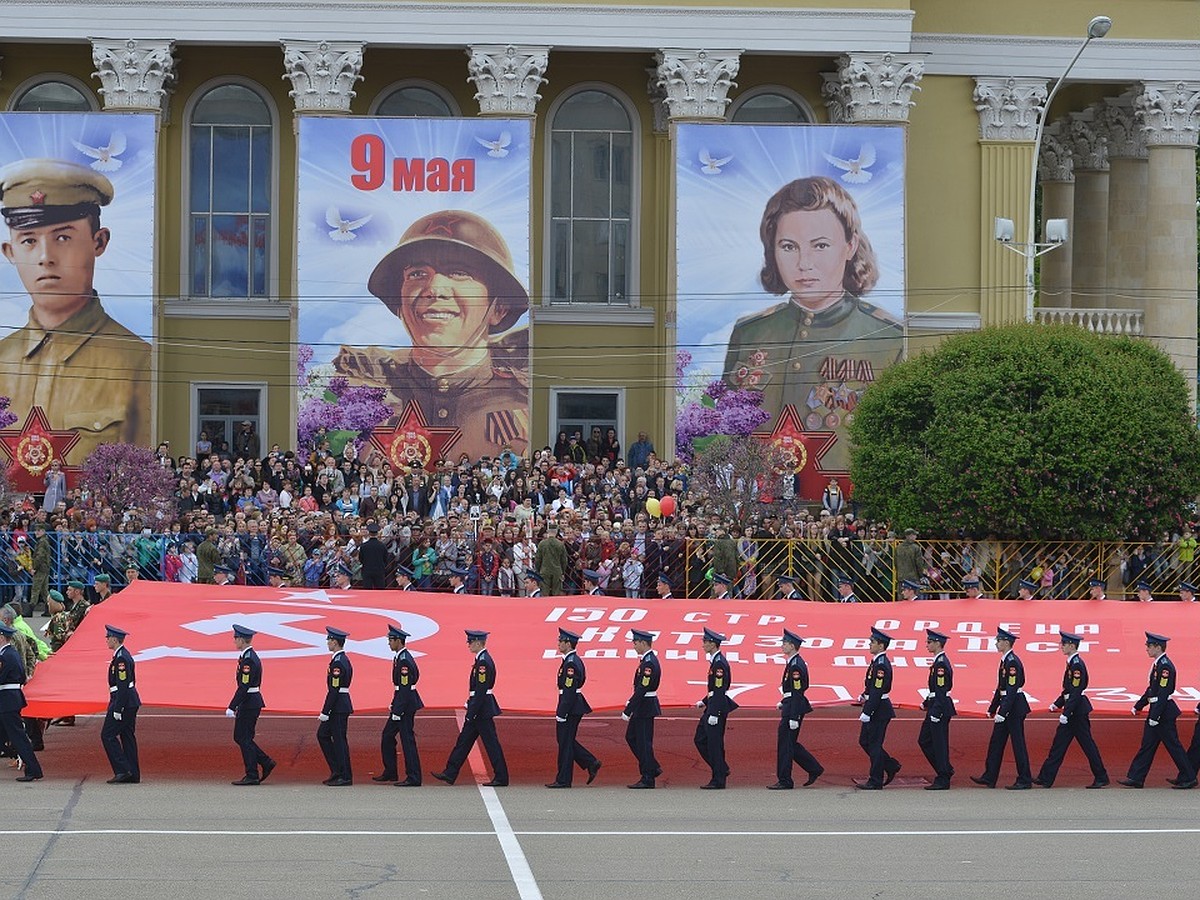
(93, 832)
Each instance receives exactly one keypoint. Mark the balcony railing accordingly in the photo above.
(1098, 321)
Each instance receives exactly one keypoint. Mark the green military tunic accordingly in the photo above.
(90, 374)
(821, 362)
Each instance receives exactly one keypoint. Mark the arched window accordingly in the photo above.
(53, 95)
(770, 106)
(416, 100)
(591, 199)
(229, 184)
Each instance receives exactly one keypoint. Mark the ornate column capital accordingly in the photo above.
(696, 83)
(658, 101)
(1055, 162)
(322, 73)
(1119, 119)
(1009, 108)
(507, 77)
(1089, 143)
(1169, 113)
(134, 74)
(873, 87)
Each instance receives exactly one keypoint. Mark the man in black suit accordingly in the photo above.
(716, 706)
(877, 713)
(119, 732)
(245, 707)
(934, 738)
(642, 708)
(12, 701)
(1008, 710)
(405, 704)
(336, 711)
(374, 558)
(480, 720)
(793, 707)
(572, 707)
(1160, 727)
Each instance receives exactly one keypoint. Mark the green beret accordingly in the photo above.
(39, 192)
(78, 585)
(105, 578)
(57, 597)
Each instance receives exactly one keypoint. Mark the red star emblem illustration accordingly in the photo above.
(33, 447)
(37, 198)
(804, 449)
(412, 440)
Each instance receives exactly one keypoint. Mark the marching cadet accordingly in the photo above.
(720, 586)
(971, 588)
(533, 583)
(665, 587)
(1074, 722)
(404, 578)
(12, 701)
(458, 576)
(1096, 588)
(793, 707)
(1026, 589)
(845, 585)
(877, 713)
(591, 582)
(222, 575)
(119, 734)
(245, 707)
(1187, 592)
(572, 707)
(642, 708)
(1160, 727)
(1145, 592)
(934, 739)
(405, 703)
(480, 720)
(910, 590)
(1008, 710)
(789, 582)
(335, 713)
(717, 705)
(276, 577)
(341, 578)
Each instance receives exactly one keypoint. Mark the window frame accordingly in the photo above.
(552, 414)
(779, 89)
(432, 86)
(45, 78)
(194, 412)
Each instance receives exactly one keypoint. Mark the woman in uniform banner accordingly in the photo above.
(824, 345)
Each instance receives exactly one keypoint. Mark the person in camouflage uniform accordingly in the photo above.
(79, 604)
(59, 628)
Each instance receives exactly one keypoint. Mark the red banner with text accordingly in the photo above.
(181, 638)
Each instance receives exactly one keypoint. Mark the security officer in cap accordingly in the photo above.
(971, 588)
(450, 280)
(12, 701)
(1074, 722)
(572, 707)
(720, 586)
(665, 589)
(480, 720)
(374, 557)
(845, 584)
(88, 373)
(934, 738)
(458, 575)
(119, 733)
(222, 575)
(642, 709)
(336, 711)
(789, 582)
(877, 712)
(1145, 592)
(406, 701)
(591, 583)
(341, 578)
(910, 590)
(716, 706)
(533, 583)
(276, 577)
(793, 707)
(1187, 592)
(1160, 727)
(404, 578)
(245, 707)
(1008, 710)
(1026, 589)
(1096, 588)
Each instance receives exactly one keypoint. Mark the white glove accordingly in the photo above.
(1152, 722)
(779, 705)
(794, 724)
(322, 718)
(396, 718)
(229, 714)
(1062, 720)
(1134, 711)
(466, 704)
(999, 719)
(699, 704)
(713, 720)
(559, 719)
(1052, 708)
(935, 719)
(863, 717)
(117, 716)
(624, 717)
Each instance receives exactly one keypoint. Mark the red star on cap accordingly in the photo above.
(412, 440)
(37, 198)
(33, 447)
(443, 225)
(805, 449)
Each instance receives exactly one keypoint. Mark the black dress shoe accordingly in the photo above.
(937, 786)
(495, 783)
(267, 768)
(592, 770)
(340, 782)
(1019, 786)
(246, 780)
(557, 784)
(868, 786)
(1129, 782)
(890, 774)
(658, 773)
(713, 786)
(641, 786)
(442, 776)
(1042, 783)
(1185, 785)
(983, 781)
(1097, 784)
(407, 782)
(330, 780)
(384, 778)
(123, 778)
(813, 776)
(1173, 781)
(27, 777)
(780, 786)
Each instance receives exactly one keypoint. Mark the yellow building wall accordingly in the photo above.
(1161, 19)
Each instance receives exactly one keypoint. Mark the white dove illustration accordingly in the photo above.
(105, 157)
(710, 166)
(856, 169)
(343, 229)
(497, 149)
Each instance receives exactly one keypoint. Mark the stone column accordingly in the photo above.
(507, 78)
(322, 74)
(1127, 174)
(1089, 250)
(1056, 169)
(1170, 116)
(696, 83)
(1009, 110)
(872, 87)
(135, 75)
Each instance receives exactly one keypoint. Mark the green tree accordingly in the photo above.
(1028, 431)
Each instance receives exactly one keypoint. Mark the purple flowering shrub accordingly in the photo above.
(347, 413)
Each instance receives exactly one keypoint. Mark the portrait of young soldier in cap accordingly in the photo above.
(450, 280)
(85, 370)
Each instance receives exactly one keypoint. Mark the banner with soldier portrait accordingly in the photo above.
(790, 284)
(413, 267)
(76, 286)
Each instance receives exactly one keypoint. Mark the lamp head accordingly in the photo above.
(1098, 27)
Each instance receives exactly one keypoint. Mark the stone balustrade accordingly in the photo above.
(1099, 321)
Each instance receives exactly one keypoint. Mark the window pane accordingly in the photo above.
(414, 101)
(231, 104)
(620, 262)
(260, 170)
(52, 96)
(560, 250)
(258, 255)
(589, 262)
(768, 109)
(587, 406)
(200, 255)
(199, 169)
(590, 169)
(230, 236)
(231, 155)
(593, 110)
(622, 175)
(560, 173)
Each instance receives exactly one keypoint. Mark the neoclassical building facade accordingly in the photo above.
(230, 82)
